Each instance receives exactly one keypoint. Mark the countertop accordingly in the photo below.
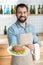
(3, 39)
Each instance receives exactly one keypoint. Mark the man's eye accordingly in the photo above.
(24, 12)
(19, 12)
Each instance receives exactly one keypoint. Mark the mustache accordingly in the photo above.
(22, 16)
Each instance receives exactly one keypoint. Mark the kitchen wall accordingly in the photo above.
(21, 1)
(8, 20)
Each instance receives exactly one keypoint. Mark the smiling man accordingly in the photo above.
(22, 27)
(22, 16)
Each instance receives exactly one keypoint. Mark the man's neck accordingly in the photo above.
(23, 24)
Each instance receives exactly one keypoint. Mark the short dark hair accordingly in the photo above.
(21, 5)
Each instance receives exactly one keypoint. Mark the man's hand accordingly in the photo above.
(30, 46)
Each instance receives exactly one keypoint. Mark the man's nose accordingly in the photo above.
(22, 14)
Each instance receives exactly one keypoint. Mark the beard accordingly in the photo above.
(22, 20)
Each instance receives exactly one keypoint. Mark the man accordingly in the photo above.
(13, 33)
(21, 27)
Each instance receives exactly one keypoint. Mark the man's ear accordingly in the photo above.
(16, 14)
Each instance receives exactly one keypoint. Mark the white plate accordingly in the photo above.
(11, 53)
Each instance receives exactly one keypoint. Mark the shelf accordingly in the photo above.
(7, 14)
(35, 14)
(28, 14)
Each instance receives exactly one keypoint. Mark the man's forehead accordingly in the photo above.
(21, 7)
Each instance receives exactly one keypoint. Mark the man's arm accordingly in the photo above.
(35, 39)
(33, 31)
(12, 39)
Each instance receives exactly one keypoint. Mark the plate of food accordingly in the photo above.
(18, 50)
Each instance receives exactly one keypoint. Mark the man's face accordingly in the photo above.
(22, 14)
